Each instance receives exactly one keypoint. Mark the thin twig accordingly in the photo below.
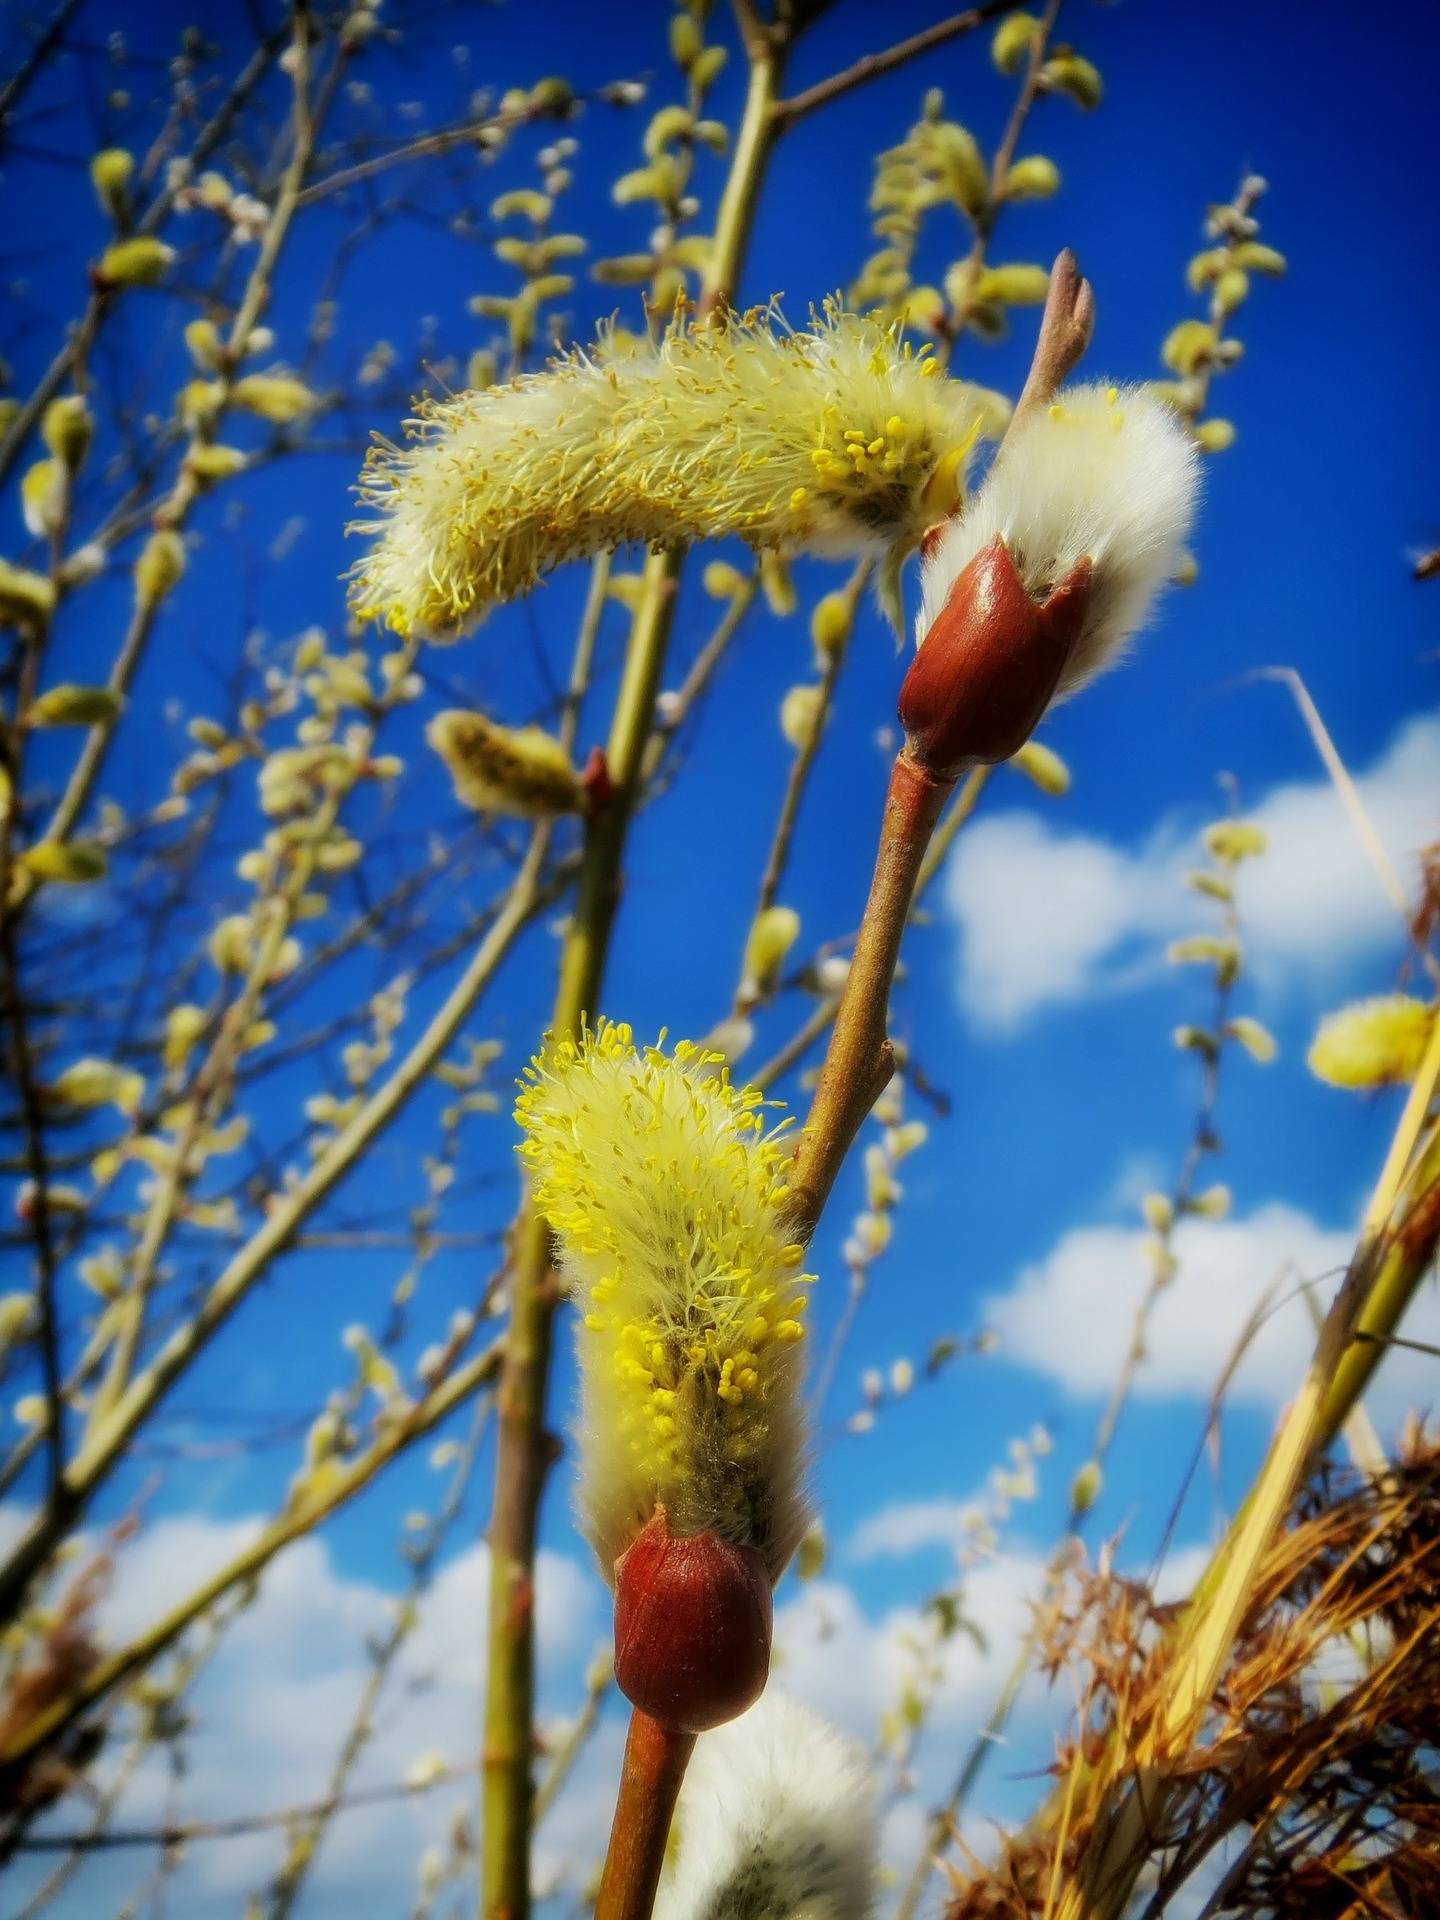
(300, 1518)
(872, 65)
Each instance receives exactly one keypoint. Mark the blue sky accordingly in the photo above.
(1035, 998)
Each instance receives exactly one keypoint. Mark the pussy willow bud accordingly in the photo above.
(989, 665)
(134, 263)
(110, 173)
(66, 428)
(692, 1627)
(523, 772)
(26, 598)
(158, 570)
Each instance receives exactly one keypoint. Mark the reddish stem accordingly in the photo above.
(859, 1061)
(655, 1760)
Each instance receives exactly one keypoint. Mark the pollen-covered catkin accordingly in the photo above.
(667, 1193)
(838, 440)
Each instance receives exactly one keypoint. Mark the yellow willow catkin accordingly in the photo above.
(1372, 1043)
(668, 1196)
(520, 771)
(836, 440)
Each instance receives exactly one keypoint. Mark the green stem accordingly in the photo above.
(522, 1451)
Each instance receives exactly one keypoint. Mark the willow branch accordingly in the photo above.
(103, 1448)
(301, 1518)
(76, 348)
(872, 65)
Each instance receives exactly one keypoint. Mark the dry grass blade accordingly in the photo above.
(1312, 1771)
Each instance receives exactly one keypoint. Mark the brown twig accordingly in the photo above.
(872, 65)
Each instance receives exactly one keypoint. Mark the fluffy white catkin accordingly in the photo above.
(777, 1821)
(1106, 474)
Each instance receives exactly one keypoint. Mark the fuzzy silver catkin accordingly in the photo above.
(1106, 474)
(777, 1821)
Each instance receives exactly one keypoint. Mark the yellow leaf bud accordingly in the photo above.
(1257, 1040)
(278, 398)
(1188, 346)
(110, 173)
(73, 706)
(1212, 1204)
(810, 1555)
(772, 934)
(799, 715)
(624, 270)
(1013, 286)
(1203, 949)
(776, 584)
(25, 597)
(1014, 38)
(134, 263)
(1214, 436)
(1210, 884)
(722, 581)
(1085, 1488)
(1074, 76)
(830, 624)
(1033, 177)
(42, 498)
(552, 95)
(1044, 766)
(705, 69)
(685, 46)
(1231, 289)
(1235, 840)
(209, 461)
(184, 1025)
(67, 426)
(97, 1083)
(1256, 257)
(202, 338)
(71, 863)
(1159, 1213)
(159, 569)
(1205, 268)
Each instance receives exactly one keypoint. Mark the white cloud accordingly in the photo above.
(1069, 1315)
(851, 1667)
(1048, 917)
(907, 1526)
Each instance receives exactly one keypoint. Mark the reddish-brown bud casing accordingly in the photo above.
(692, 1627)
(990, 664)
